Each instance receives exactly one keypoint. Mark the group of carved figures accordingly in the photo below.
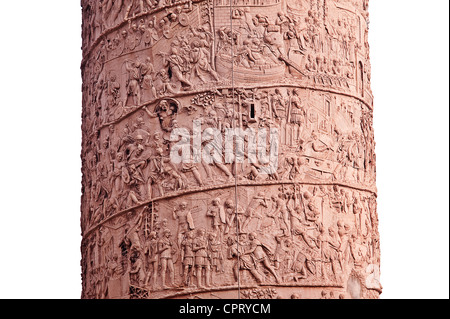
(101, 15)
(128, 168)
(322, 51)
(278, 240)
(137, 92)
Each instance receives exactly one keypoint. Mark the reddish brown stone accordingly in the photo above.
(303, 225)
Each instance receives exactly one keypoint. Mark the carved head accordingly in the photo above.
(139, 139)
(201, 232)
(331, 231)
(212, 236)
(139, 150)
(229, 203)
(252, 236)
(167, 233)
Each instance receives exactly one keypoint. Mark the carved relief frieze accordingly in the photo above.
(227, 149)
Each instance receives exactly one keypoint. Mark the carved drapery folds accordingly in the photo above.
(155, 228)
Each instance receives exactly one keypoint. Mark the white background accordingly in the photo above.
(40, 144)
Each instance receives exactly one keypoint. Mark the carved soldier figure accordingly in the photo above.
(243, 261)
(252, 211)
(301, 228)
(147, 74)
(230, 212)
(202, 262)
(187, 258)
(152, 252)
(329, 244)
(259, 255)
(133, 82)
(215, 253)
(192, 167)
(166, 250)
(298, 113)
(217, 214)
(281, 214)
(185, 221)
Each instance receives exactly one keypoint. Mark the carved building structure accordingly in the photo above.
(153, 228)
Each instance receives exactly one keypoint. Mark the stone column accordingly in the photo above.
(228, 150)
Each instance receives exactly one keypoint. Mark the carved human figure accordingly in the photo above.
(281, 214)
(167, 86)
(217, 214)
(298, 113)
(242, 261)
(344, 243)
(166, 250)
(177, 66)
(187, 258)
(137, 272)
(119, 177)
(232, 223)
(329, 244)
(133, 82)
(220, 165)
(282, 253)
(258, 252)
(199, 56)
(357, 212)
(152, 252)
(301, 228)
(134, 8)
(192, 167)
(253, 211)
(148, 74)
(163, 169)
(185, 221)
(278, 105)
(215, 253)
(202, 262)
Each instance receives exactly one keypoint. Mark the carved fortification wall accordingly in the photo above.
(155, 228)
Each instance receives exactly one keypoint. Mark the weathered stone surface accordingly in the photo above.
(159, 72)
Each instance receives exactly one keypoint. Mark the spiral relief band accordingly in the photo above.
(228, 150)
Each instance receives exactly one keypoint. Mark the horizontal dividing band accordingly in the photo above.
(186, 292)
(224, 186)
(226, 87)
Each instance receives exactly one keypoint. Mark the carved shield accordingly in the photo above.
(183, 19)
(222, 215)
